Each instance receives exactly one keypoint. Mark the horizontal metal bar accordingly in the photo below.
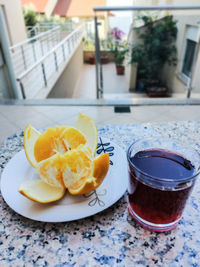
(101, 102)
(49, 53)
(148, 7)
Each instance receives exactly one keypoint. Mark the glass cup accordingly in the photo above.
(162, 173)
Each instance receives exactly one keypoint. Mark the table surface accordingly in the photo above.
(112, 237)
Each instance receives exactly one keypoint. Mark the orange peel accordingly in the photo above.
(41, 192)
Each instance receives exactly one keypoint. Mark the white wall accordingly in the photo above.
(14, 19)
(65, 86)
(50, 7)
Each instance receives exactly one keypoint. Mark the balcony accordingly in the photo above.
(39, 61)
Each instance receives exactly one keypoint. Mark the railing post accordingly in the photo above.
(44, 74)
(99, 91)
(56, 63)
(41, 47)
(72, 41)
(34, 54)
(69, 46)
(23, 56)
(63, 50)
(47, 40)
(22, 88)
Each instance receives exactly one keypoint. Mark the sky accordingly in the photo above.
(120, 3)
(122, 19)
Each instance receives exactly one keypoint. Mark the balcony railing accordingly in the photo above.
(38, 80)
(26, 53)
(40, 27)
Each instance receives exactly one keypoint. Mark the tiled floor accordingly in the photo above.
(15, 118)
(112, 83)
(114, 86)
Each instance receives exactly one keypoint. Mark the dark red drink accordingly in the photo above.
(159, 186)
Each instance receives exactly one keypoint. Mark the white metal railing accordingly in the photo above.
(26, 53)
(64, 25)
(38, 28)
(44, 73)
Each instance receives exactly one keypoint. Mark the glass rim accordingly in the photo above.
(157, 178)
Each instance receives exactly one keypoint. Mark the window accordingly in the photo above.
(189, 57)
(191, 41)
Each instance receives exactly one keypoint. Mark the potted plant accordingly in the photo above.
(119, 55)
(119, 49)
(155, 49)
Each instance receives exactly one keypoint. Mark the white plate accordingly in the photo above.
(70, 207)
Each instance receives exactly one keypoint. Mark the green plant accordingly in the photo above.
(156, 48)
(119, 54)
(30, 17)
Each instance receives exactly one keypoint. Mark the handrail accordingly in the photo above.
(46, 55)
(33, 38)
(55, 23)
(148, 7)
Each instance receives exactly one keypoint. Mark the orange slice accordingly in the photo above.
(50, 170)
(72, 138)
(88, 127)
(77, 164)
(83, 181)
(41, 192)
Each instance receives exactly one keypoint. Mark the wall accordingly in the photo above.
(64, 88)
(15, 20)
(50, 7)
(171, 74)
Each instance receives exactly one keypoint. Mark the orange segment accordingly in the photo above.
(72, 138)
(50, 170)
(49, 143)
(83, 187)
(88, 127)
(101, 166)
(59, 139)
(77, 165)
(88, 184)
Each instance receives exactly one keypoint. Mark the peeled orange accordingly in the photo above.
(64, 158)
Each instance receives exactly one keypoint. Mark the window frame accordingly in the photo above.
(182, 76)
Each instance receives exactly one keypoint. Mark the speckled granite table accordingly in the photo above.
(110, 238)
